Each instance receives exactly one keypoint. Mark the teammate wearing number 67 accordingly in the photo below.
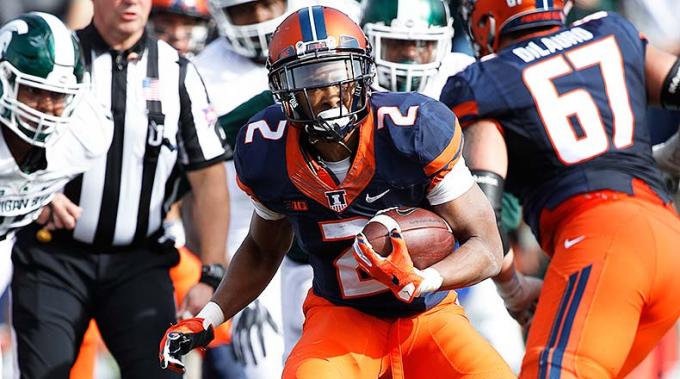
(319, 166)
(561, 110)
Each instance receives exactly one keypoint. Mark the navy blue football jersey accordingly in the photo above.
(571, 106)
(408, 142)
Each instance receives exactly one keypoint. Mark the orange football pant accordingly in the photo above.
(612, 289)
(341, 343)
(83, 368)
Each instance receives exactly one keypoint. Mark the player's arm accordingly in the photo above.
(662, 71)
(254, 264)
(471, 216)
(486, 154)
(480, 254)
(251, 269)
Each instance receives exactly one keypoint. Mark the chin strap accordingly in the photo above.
(314, 136)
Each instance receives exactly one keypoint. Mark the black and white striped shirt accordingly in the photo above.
(126, 194)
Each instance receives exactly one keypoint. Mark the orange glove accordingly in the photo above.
(396, 271)
(180, 339)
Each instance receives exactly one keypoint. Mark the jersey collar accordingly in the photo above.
(313, 181)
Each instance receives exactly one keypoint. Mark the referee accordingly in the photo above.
(112, 264)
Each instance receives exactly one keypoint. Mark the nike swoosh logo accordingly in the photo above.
(568, 243)
(371, 199)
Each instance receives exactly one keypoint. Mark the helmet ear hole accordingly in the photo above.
(487, 26)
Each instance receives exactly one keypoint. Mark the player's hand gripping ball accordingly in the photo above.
(398, 246)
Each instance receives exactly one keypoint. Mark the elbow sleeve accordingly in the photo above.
(492, 185)
(670, 91)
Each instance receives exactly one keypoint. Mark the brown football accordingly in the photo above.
(427, 236)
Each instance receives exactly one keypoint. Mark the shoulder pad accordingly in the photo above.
(424, 130)
(260, 155)
(610, 22)
(459, 96)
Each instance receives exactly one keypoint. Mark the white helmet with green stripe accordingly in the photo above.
(251, 40)
(38, 54)
(410, 39)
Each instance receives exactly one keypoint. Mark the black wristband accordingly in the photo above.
(492, 185)
(670, 90)
(212, 274)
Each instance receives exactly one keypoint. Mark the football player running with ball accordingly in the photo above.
(313, 166)
(561, 109)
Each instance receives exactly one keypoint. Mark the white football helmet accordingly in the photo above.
(248, 40)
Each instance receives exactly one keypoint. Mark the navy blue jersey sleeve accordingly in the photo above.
(260, 147)
(459, 96)
(475, 94)
(434, 138)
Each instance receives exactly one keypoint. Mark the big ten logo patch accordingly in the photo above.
(337, 200)
(297, 205)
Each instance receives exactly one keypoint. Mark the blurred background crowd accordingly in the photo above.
(189, 26)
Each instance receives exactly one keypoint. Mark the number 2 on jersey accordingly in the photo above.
(352, 283)
(556, 109)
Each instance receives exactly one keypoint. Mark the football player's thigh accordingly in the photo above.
(445, 345)
(338, 343)
(662, 308)
(592, 297)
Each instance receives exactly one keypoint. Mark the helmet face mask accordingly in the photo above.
(411, 38)
(41, 58)
(322, 80)
(300, 85)
(250, 40)
(32, 125)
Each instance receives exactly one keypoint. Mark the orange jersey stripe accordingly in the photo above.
(245, 188)
(467, 108)
(448, 158)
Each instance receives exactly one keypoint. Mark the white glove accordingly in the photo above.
(667, 155)
(520, 295)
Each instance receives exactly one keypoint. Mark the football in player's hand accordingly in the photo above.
(428, 237)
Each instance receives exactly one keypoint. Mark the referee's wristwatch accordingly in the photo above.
(212, 274)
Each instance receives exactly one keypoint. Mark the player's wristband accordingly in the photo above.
(212, 274)
(432, 281)
(670, 90)
(211, 314)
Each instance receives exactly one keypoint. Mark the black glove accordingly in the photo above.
(254, 316)
(180, 339)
